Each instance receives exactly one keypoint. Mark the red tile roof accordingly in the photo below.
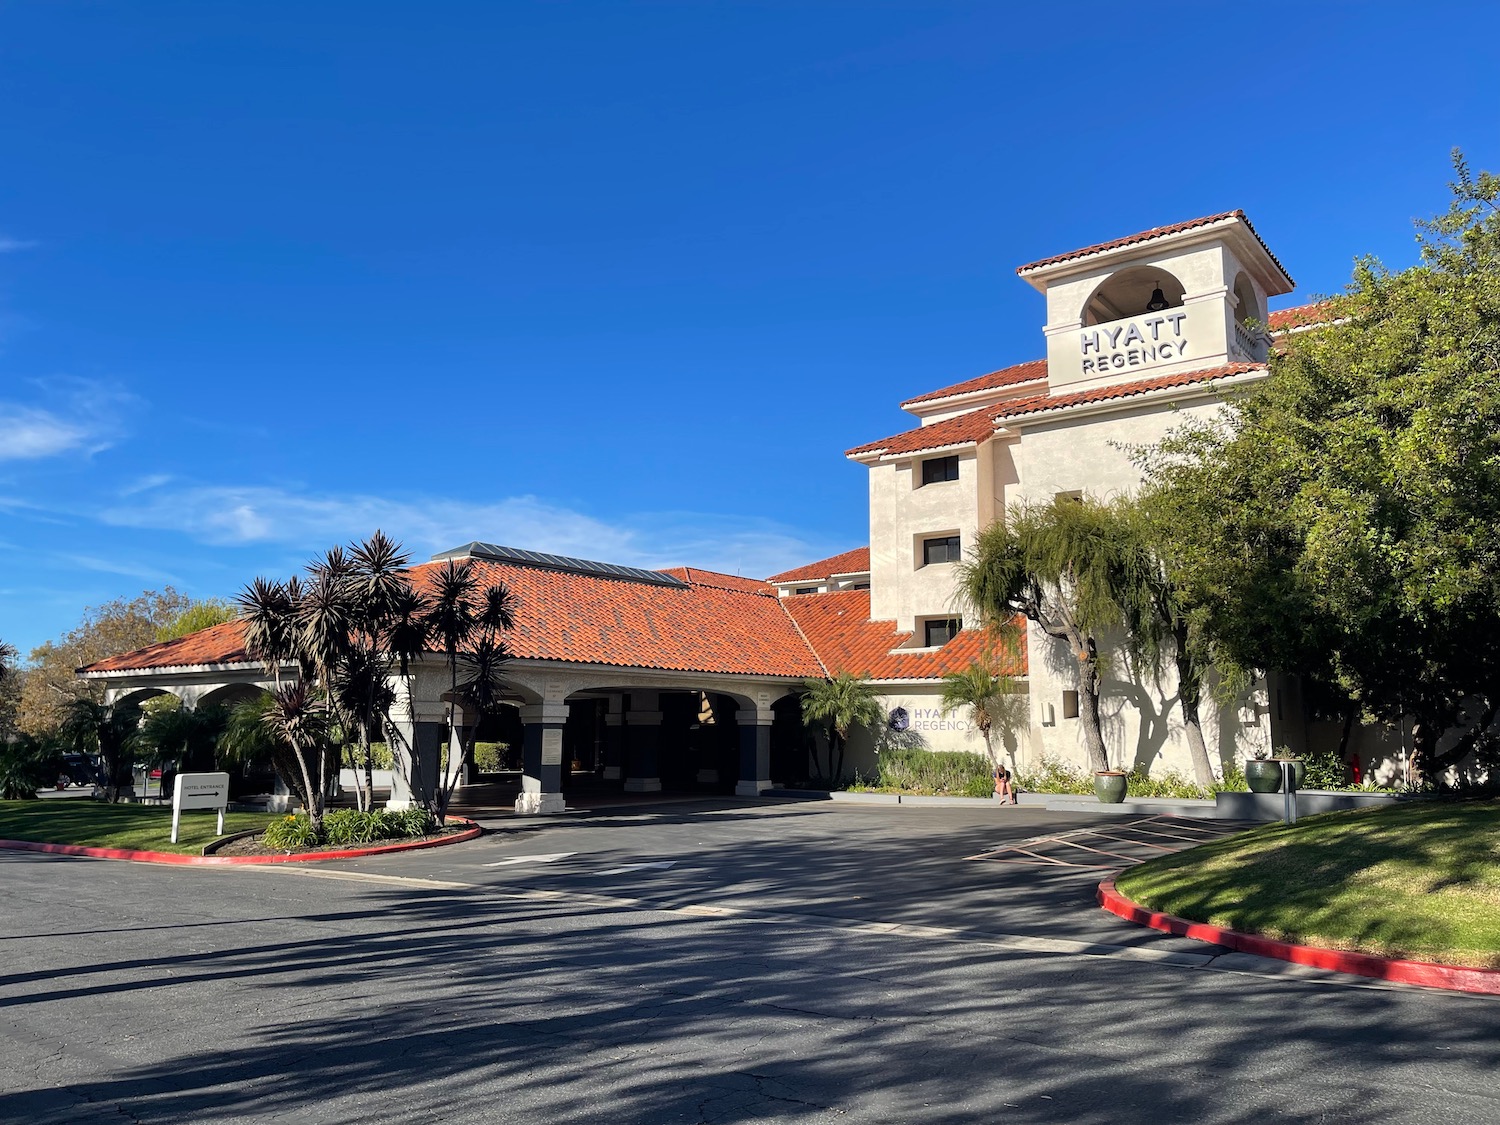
(693, 575)
(1154, 233)
(1028, 372)
(1301, 316)
(856, 561)
(963, 429)
(718, 623)
(1038, 403)
(219, 644)
(839, 628)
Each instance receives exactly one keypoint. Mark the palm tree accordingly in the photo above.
(844, 702)
(1063, 566)
(248, 737)
(297, 719)
(107, 730)
(468, 624)
(992, 700)
(187, 737)
(8, 658)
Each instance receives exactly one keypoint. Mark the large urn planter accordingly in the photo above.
(1299, 770)
(1263, 775)
(1109, 786)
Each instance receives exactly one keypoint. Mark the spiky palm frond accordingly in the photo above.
(483, 666)
(268, 610)
(406, 630)
(843, 702)
(450, 616)
(8, 658)
(497, 608)
(325, 617)
(377, 579)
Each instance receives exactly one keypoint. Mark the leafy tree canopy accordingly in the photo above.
(198, 616)
(1344, 521)
(106, 630)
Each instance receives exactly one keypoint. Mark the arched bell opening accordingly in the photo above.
(1136, 291)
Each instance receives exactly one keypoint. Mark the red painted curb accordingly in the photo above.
(229, 860)
(1454, 978)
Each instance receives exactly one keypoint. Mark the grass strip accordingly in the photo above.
(1419, 880)
(94, 824)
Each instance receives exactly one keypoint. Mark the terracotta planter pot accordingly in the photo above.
(1110, 787)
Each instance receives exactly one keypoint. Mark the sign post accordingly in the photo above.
(200, 791)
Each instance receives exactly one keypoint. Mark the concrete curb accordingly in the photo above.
(231, 860)
(844, 797)
(1454, 978)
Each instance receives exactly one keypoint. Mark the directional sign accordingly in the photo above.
(200, 791)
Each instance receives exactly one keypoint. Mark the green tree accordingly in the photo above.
(1062, 566)
(26, 765)
(992, 700)
(119, 626)
(844, 702)
(196, 617)
(1357, 492)
(108, 730)
(249, 736)
(186, 738)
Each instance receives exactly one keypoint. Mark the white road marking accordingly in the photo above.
(551, 857)
(638, 867)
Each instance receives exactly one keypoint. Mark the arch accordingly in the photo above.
(1247, 308)
(136, 696)
(227, 695)
(1127, 292)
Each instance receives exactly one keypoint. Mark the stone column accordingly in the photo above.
(755, 751)
(423, 728)
(642, 740)
(542, 758)
(614, 739)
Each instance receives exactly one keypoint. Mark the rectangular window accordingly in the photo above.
(805, 590)
(860, 586)
(941, 550)
(938, 469)
(937, 633)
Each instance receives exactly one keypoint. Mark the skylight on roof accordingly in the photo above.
(517, 556)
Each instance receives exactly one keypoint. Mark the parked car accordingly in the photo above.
(79, 769)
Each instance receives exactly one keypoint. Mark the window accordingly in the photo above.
(941, 550)
(937, 633)
(938, 469)
(805, 590)
(1070, 705)
(1076, 496)
(860, 586)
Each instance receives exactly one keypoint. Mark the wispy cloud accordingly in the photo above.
(11, 245)
(241, 516)
(78, 415)
(119, 566)
(27, 433)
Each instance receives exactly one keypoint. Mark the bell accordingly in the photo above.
(1158, 300)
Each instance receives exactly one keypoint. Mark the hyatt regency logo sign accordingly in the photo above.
(1150, 339)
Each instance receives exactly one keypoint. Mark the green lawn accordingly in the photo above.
(1419, 880)
(98, 825)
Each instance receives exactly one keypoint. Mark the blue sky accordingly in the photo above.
(620, 280)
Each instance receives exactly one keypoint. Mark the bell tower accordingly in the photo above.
(1173, 299)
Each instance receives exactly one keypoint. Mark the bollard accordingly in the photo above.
(1288, 793)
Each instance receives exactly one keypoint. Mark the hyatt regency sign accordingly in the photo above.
(1135, 343)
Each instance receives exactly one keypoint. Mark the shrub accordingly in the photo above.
(381, 757)
(288, 832)
(1170, 784)
(957, 774)
(491, 757)
(348, 828)
(1052, 775)
(25, 767)
(1325, 770)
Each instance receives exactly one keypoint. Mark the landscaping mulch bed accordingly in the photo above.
(251, 845)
